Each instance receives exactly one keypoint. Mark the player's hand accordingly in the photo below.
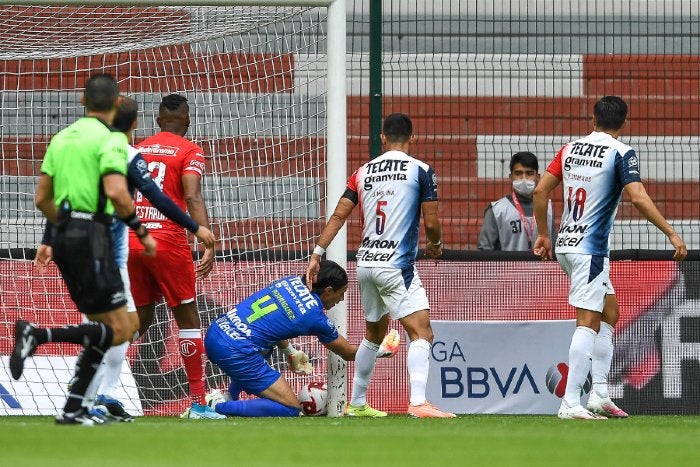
(312, 270)
(679, 245)
(389, 345)
(44, 255)
(205, 236)
(299, 363)
(433, 251)
(206, 264)
(149, 244)
(543, 247)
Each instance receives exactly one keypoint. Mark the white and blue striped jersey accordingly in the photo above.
(390, 190)
(594, 170)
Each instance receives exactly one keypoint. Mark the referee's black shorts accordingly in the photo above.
(83, 252)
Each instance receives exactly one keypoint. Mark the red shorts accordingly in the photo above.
(169, 274)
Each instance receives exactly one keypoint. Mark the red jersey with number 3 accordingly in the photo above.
(169, 157)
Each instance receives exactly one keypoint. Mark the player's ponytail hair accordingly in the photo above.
(330, 275)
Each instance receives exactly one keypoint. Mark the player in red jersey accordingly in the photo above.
(176, 165)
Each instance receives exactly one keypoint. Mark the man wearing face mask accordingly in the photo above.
(509, 223)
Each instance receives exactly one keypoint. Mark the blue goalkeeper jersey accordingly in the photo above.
(283, 310)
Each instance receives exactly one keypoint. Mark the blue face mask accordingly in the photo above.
(524, 187)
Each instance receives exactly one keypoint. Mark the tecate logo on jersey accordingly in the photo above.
(300, 293)
(379, 167)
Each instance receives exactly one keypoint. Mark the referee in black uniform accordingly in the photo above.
(81, 186)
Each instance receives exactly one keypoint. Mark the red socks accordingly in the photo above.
(192, 352)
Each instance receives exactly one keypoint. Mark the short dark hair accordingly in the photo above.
(172, 102)
(331, 274)
(610, 113)
(526, 159)
(126, 114)
(101, 93)
(397, 128)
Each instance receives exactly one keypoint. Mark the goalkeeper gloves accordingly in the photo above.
(298, 361)
(390, 344)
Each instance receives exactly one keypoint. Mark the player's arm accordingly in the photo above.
(44, 253)
(641, 200)
(341, 213)
(342, 348)
(550, 180)
(43, 198)
(433, 230)
(44, 201)
(140, 178)
(543, 243)
(427, 182)
(192, 188)
(488, 235)
(113, 168)
(116, 189)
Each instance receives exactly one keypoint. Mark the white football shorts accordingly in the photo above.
(391, 290)
(590, 279)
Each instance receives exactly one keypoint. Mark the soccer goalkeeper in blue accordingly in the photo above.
(238, 340)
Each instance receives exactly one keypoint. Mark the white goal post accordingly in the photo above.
(266, 84)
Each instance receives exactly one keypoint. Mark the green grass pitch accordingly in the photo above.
(470, 440)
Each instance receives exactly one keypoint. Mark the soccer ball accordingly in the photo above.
(313, 398)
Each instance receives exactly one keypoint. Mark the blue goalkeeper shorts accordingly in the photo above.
(240, 361)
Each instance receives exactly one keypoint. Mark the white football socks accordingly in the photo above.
(418, 364)
(365, 359)
(111, 368)
(602, 359)
(580, 352)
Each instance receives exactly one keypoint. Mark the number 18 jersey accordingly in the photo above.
(390, 190)
(594, 170)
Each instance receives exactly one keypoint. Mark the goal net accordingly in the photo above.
(256, 78)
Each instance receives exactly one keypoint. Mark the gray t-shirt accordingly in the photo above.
(505, 229)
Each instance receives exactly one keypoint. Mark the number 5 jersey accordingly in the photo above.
(390, 190)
